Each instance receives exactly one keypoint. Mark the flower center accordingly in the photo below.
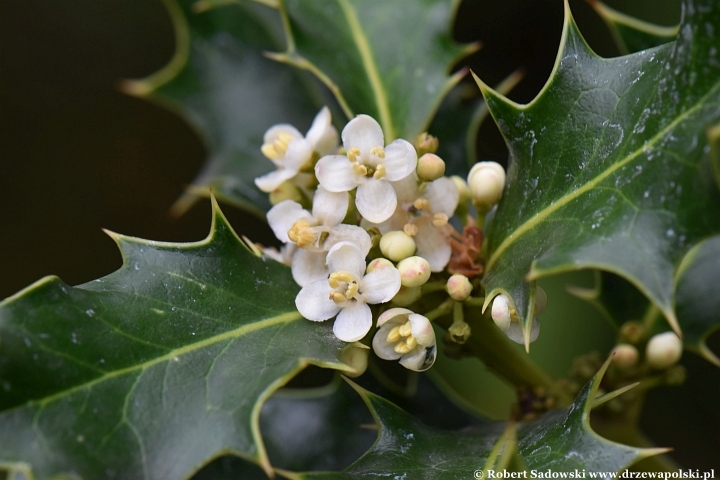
(378, 171)
(402, 337)
(277, 148)
(302, 234)
(345, 286)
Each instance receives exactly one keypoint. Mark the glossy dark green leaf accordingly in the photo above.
(223, 85)
(378, 57)
(560, 440)
(632, 34)
(610, 165)
(697, 299)
(155, 369)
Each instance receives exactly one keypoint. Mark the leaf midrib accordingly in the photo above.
(370, 67)
(567, 198)
(232, 334)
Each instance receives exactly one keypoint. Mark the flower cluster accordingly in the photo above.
(367, 224)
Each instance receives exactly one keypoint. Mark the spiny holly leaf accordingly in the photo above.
(378, 57)
(632, 34)
(697, 299)
(560, 440)
(221, 83)
(155, 369)
(609, 165)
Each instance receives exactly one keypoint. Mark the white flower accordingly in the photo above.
(285, 146)
(315, 232)
(347, 291)
(369, 167)
(424, 215)
(407, 336)
(505, 316)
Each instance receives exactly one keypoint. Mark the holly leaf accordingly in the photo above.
(220, 82)
(609, 166)
(631, 34)
(377, 56)
(560, 440)
(697, 299)
(155, 369)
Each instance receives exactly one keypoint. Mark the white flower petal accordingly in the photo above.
(272, 133)
(432, 245)
(298, 153)
(270, 181)
(322, 135)
(400, 160)
(350, 233)
(363, 132)
(335, 173)
(419, 359)
(381, 285)
(353, 322)
(376, 200)
(382, 347)
(407, 189)
(329, 207)
(394, 316)
(282, 216)
(515, 333)
(346, 256)
(308, 267)
(422, 330)
(313, 302)
(443, 196)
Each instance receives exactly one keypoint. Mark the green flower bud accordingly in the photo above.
(459, 287)
(356, 356)
(501, 312)
(426, 143)
(663, 350)
(430, 167)
(286, 191)
(486, 181)
(378, 263)
(407, 296)
(397, 245)
(462, 188)
(414, 271)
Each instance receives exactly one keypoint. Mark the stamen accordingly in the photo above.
(360, 169)
(338, 297)
(379, 151)
(410, 229)
(380, 172)
(394, 335)
(421, 204)
(405, 330)
(402, 348)
(280, 146)
(353, 154)
(352, 290)
(411, 342)
(269, 151)
(301, 234)
(440, 220)
(285, 137)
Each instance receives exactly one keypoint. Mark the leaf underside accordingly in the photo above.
(610, 165)
(155, 369)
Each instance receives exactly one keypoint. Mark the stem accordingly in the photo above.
(441, 310)
(431, 287)
(475, 301)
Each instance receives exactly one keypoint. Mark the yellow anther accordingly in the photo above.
(269, 151)
(379, 151)
(285, 137)
(402, 348)
(440, 219)
(280, 146)
(301, 234)
(360, 169)
(352, 290)
(421, 204)
(338, 297)
(342, 276)
(405, 330)
(410, 229)
(411, 342)
(380, 172)
(353, 154)
(394, 335)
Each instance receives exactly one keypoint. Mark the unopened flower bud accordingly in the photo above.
(540, 300)
(663, 350)
(459, 287)
(675, 376)
(286, 191)
(378, 263)
(397, 245)
(486, 181)
(632, 332)
(426, 143)
(356, 356)
(414, 271)
(625, 356)
(501, 312)
(462, 188)
(407, 296)
(430, 167)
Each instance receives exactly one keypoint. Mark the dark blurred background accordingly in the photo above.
(76, 155)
